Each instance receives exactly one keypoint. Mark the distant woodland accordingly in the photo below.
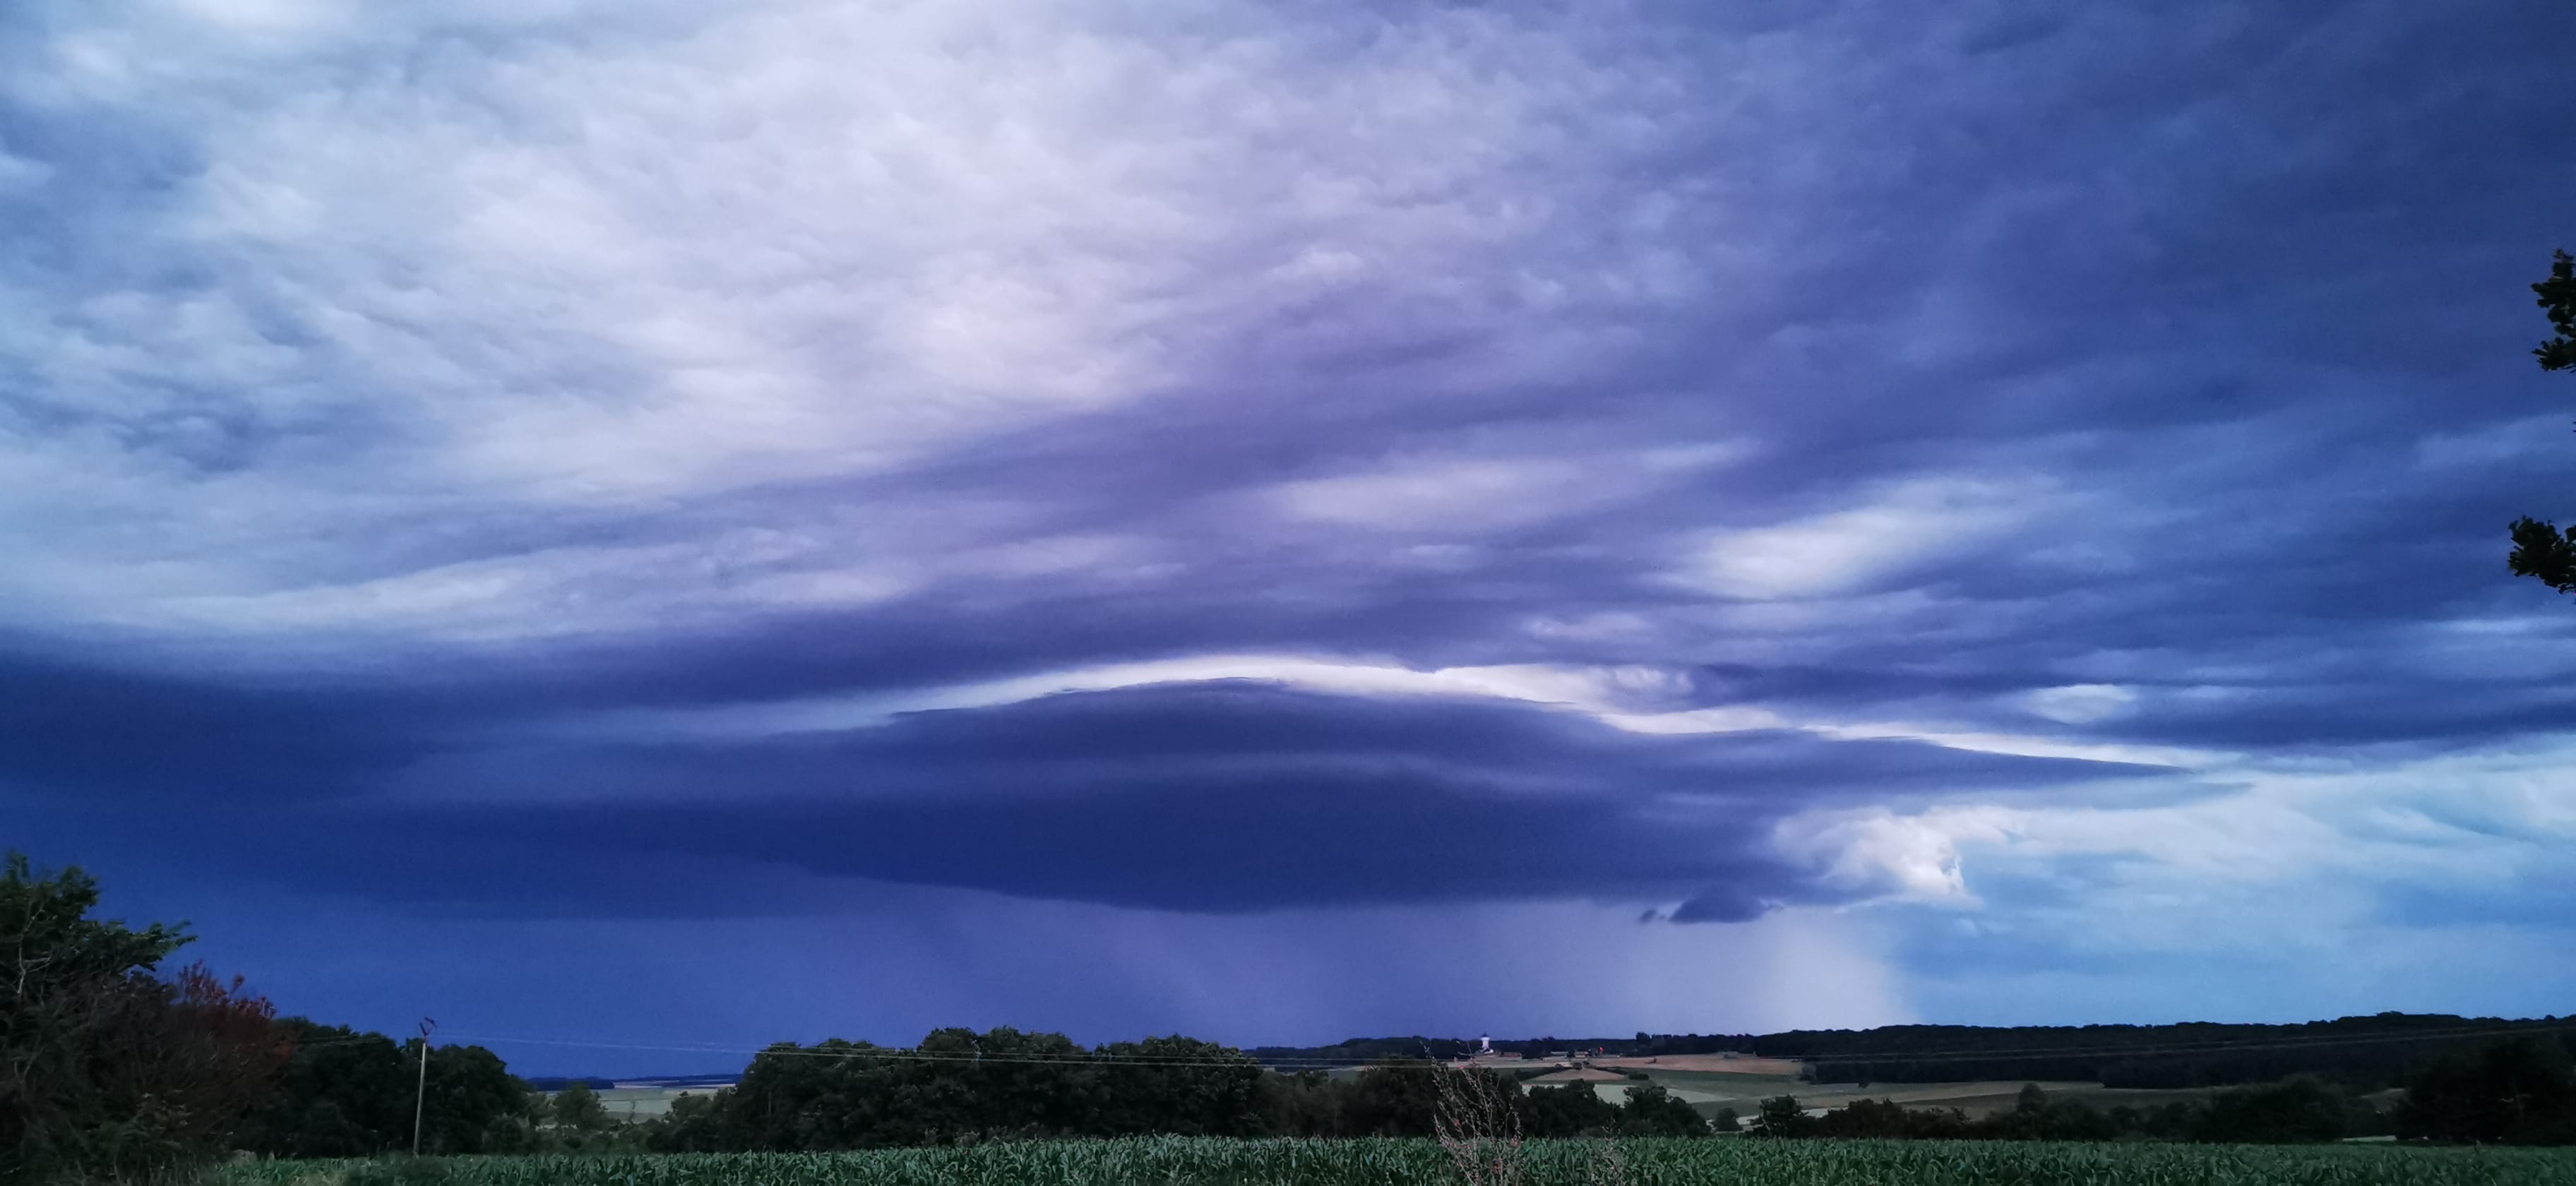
(2362, 1053)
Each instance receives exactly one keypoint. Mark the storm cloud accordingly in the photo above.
(1931, 477)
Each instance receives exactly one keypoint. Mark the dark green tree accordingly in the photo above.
(1302, 1104)
(693, 1125)
(2558, 296)
(1652, 1111)
(2301, 1109)
(350, 1094)
(577, 1108)
(343, 1094)
(1179, 1085)
(1567, 1110)
(106, 1069)
(469, 1091)
(1782, 1117)
(1396, 1097)
(2540, 550)
(2520, 1092)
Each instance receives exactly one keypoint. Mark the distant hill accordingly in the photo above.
(2364, 1053)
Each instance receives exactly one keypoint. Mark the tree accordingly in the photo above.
(342, 1094)
(1567, 1110)
(1179, 1085)
(2540, 550)
(106, 1070)
(577, 1107)
(1652, 1111)
(1781, 1117)
(2519, 1092)
(2558, 295)
(2300, 1109)
(470, 1092)
(2031, 1100)
(1394, 1097)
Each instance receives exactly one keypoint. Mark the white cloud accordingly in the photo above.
(1879, 853)
(2080, 704)
(1593, 690)
(628, 266)
(1475, 494)
(2284, 857)
(1633, 698)
(1850, 550)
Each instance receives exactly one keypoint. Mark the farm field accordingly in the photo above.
(1183, 1161)
(1710, 1082)
(1747, 1082)
(644, 1102)
(1730, 1064)
(1705, 1082)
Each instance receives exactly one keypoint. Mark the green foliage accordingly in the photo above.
(65, 978)
(2297, 1110)
(106, 1069)
(2558, 295)
(342, 1094)
(2359, 1053)
(1175, 1161)
(1782, 1117)
(1394, 1098)
(2521, 1093)
(401, 1171)
(2540, 550)
(469, 1089)
(1652, 1111)
(1568, 1110)
(349, 1094)
(577, 1107)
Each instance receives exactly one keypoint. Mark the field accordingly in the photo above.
(644, 1102)
(1731, 1064)
(1707, 1082)
(1710, 1082)
(1183, 1161)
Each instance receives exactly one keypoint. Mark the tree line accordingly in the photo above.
(115, 1069)
(2515, 1092)
(2360, 1053)
(960, 1085)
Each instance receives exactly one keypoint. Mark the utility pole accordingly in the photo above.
(420, 1102)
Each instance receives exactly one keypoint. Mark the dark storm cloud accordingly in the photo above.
(1223, 797)
(2051, 380)
(105, 736)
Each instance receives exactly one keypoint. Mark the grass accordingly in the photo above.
(1184, 1161)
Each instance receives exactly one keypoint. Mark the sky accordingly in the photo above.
(640, 529)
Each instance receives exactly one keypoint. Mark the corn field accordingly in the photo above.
(1181, 1161)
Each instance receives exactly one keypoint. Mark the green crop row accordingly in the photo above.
(1175, 1161)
